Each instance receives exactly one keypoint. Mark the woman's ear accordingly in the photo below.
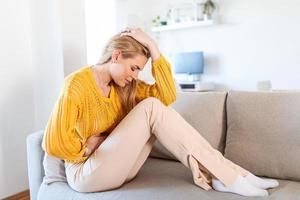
(116, 56)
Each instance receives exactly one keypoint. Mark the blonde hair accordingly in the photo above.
(129, 48)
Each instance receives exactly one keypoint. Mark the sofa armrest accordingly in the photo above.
(35, 155)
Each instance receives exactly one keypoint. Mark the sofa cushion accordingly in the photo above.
(162, 180)
(263, 134)
(54, 169)
(205, 111)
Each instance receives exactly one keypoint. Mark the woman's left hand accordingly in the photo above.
(144, 39)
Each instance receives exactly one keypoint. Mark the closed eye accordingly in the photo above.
(132, 68)
(137, 67)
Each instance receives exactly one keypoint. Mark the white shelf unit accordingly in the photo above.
(183, 25)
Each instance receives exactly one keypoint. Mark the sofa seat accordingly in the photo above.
(162, 180)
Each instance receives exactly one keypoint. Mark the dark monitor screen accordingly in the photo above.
(189, 62)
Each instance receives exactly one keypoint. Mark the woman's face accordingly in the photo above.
(123, 71)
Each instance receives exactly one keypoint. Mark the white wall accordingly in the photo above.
(31, 72)
(47, 56)
(100, 21)
(17, 95)
(73, 34)
(256, 40)
(86, 27)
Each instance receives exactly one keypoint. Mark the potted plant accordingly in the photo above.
(208, 7)
(156, 21)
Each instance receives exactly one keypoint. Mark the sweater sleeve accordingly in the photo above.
(164, 87)
(61, 138)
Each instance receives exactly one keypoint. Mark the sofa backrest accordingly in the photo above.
(205, 111)
(263, 134)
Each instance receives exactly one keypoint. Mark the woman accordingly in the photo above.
(106, 120)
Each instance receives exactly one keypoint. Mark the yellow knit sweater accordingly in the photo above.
(81, 110)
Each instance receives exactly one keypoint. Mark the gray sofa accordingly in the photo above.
(260, 131)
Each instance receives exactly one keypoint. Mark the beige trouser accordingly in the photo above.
(119, 158)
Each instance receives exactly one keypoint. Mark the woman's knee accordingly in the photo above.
(151, 102)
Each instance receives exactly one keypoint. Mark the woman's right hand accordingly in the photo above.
(139, 35)
(93, 142)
